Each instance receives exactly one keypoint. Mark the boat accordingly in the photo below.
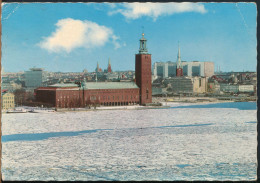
(17, 111)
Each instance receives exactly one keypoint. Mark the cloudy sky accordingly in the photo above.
(71, 37)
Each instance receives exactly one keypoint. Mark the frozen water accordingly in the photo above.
(152, 144)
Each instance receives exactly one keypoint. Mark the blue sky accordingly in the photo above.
(70, 37)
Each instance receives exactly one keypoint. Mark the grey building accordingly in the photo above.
(34, 78)
(194, 68)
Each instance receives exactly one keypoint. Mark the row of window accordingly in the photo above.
(118, 97)
(94, 93)
(8, 98)
(7, 106)
(8, 101)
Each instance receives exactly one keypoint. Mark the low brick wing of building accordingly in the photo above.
(92, 93)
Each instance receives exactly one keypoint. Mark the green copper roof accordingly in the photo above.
(110, 85)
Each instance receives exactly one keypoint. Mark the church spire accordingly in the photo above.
(109, 69)
(179, 65)
(179, 71)
(143, 49)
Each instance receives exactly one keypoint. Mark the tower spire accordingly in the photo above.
(109, 66)
(179, 70)
(143, 49)
(179, 65)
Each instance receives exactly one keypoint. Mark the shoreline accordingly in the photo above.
(165, 103)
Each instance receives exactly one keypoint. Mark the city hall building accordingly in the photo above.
(62, 95)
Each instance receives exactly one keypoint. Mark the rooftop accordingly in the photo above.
(98, 85)
(110, 85)
(36, 69)
(63, 85)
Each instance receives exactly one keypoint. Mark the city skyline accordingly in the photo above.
(70, 37)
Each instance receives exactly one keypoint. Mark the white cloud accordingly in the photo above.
(71, 34)
(154, 10)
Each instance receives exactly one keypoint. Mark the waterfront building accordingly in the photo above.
(103, 93)
(188, 85)
(235, 88)
(7, 101)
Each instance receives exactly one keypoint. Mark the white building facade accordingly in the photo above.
(194, 68)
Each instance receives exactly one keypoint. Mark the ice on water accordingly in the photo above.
(152, 144)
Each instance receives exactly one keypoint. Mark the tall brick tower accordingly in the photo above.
(143, 74)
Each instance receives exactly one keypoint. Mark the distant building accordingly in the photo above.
(103, 93)
(194, 68)
(11, 86)
(246, 88)
(109, 69)
(34, 78)
(228, 88)
(235, 88)
(112, 76)
(8, 101)
(98, 69)
(188, 85)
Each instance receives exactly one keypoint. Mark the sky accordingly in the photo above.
(71, 37)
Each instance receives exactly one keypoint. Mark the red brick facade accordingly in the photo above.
(75, 97)
(143, 76)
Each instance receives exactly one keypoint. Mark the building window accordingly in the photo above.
(93, 97)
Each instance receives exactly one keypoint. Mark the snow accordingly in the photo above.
(150, 144)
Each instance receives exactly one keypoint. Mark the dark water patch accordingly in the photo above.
(237, 105)
(191, 125)
(44, 136)
(140, 166)
(183, 165)
(251, 122)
